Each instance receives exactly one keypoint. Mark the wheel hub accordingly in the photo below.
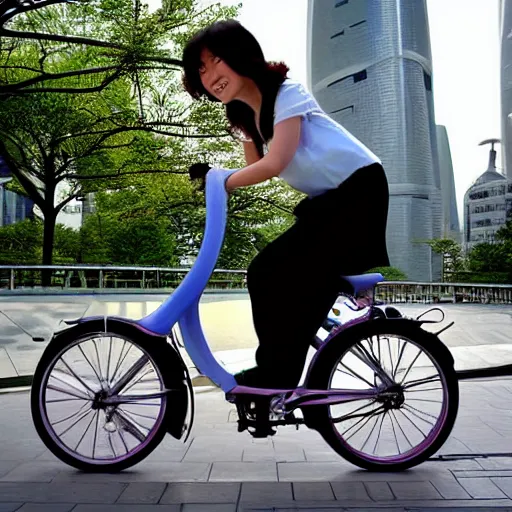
(99, 400)
(392, 397)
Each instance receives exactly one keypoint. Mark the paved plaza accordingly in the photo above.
(219, 469)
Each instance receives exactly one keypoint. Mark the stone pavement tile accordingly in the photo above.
(202, 507)
(313, 491)
(21, 451)
(379, 491)
(34, 471)
(243, 472)
(142, 492)
(46, 507)
(144, 472)
(9, 507)
(456, 464)
(266, 493)
(310, 472)
(201, 493)
(58, 493)
(126, 508)
(454, 445)
(449, 488)
(7, 466)
(288, 452)
(483, 474)
(259, 453)
(350, 491)
(334, 471)
(505, 484)
(7, 369)
(219, 452)
(496, 462)
(481, 488)
(414, 491)
(324, 455)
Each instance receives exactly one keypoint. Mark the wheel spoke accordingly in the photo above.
(76, 396)
(86, 430)
(420, 382)
(380, 430)
(410, 366)
(89, 362)
(413, 424)
(362, 354)
(401, 429)
(77, 377)
(71, 415)
(80, 418)
(355, 374)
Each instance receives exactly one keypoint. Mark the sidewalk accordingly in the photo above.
(222, 470)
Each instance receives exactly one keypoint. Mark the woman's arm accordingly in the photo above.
(284, 145)
(251, 153)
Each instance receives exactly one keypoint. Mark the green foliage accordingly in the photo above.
(125, 111)
(21, 243)
(390, 273)
(452, 253)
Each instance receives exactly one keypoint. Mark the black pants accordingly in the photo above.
(295, 279)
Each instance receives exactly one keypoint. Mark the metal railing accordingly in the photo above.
(100, 277)
(166, 279)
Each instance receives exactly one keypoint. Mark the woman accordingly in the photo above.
(340, 227)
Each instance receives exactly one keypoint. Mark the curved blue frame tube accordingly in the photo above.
(182, 305)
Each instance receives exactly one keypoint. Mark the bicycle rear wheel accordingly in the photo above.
(416, 402)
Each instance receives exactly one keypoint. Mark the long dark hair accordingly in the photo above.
(240, 50)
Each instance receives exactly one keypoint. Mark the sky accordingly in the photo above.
(466, 72)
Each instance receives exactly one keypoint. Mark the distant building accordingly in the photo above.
(506, 84)
(451, 224)
(13, 207)
(370, 69)
(487, 204)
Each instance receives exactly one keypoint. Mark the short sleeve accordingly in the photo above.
(292, 100)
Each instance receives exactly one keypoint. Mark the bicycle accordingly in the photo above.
(126, 381)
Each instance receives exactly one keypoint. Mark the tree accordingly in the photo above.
(451, 252)
(94, 111)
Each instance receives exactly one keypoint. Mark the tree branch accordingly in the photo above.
(6, 89)
(119, 175)
(61, 205)
(99, 88)
(25, 182)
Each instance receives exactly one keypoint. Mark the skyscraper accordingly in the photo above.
(369, 67)
(451, 225)
(506, 84)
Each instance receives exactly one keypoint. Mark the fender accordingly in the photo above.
(174, 370)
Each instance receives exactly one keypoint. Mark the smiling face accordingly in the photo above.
(218, 78)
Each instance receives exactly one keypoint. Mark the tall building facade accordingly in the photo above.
(487, 204)
(370, 69)
(506, 84)
(451, 224)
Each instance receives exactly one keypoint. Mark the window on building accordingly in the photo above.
(342, 33)
(428, 81)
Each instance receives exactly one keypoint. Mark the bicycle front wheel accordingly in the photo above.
(79, 415)
(416, 395)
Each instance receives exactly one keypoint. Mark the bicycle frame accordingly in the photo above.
(183, 307)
